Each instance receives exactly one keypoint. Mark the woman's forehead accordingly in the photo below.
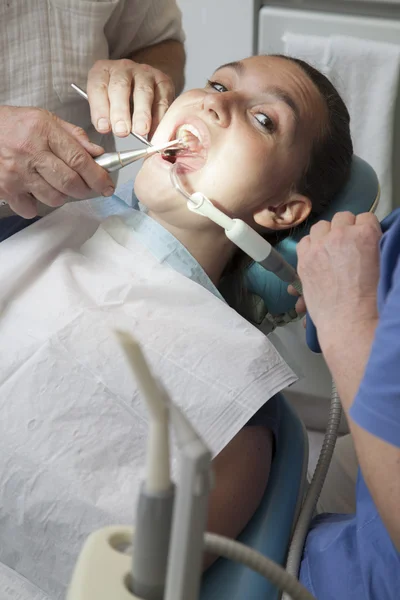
(260, 74)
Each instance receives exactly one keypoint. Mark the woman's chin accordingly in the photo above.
(153, 186)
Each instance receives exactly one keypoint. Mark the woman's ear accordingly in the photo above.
(286, 215)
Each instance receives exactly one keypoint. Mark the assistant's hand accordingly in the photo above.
(338, 264)
(44, 158)
(111, 87)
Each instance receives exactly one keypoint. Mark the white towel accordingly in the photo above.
(366, 74)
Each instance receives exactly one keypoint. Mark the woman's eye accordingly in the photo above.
(265, 121)
(216, 86)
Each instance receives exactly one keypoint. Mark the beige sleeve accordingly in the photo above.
(142, 23)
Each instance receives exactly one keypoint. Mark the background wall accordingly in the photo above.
(217, 31)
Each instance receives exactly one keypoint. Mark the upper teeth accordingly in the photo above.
(190, 129)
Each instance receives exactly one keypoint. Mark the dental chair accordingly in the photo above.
(271, 527)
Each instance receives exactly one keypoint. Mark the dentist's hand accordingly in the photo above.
(338, 264)
(113, 85)
(44, 158)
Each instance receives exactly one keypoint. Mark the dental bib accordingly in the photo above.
(73, 424)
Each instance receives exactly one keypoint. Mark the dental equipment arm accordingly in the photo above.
(156, 498)
(190, 512)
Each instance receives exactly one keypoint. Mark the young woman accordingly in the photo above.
(271, 145)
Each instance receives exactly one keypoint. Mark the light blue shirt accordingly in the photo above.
(160, 242)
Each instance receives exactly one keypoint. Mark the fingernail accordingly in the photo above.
(103, 124)
(109, 191)
(120, 127)
(141, 127)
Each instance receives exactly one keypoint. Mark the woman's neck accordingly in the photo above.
(209, 246)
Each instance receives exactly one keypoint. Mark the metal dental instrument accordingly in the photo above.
(136, 135)
(113, 161)
(241, 234)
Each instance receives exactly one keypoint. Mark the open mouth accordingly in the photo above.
(194, 155)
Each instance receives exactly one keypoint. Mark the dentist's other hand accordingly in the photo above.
(44, 158)
(338, 264)
(112, 87)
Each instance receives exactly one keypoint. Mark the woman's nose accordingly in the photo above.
(218, 108)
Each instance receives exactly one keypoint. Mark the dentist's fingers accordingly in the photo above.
(119, 95)
(71, 169)
(164, 95)
(81, 136)
(47, 193)
(24, 205)
(97, 91)
(143, 96)
(113, 85)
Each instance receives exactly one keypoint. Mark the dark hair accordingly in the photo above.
(329, 166)
(327, 170)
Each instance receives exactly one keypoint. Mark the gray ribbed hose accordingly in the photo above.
(261, 564)
(314, 491)
(318, 479)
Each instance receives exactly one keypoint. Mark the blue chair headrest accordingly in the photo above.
(360, 194)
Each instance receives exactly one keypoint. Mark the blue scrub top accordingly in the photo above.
(351, 557)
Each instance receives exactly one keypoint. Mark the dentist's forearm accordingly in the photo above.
(169, 57)
(346, 351)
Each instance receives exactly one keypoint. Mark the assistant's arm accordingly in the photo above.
(339, 269)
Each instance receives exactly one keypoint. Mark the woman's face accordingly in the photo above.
(252, 128)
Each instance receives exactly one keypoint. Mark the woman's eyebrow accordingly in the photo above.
(283, 96)
(236, 65)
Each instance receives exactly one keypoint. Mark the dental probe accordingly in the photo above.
(136, 135)
(156, 497)
(113, 161)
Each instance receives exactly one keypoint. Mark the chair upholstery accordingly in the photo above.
(270, 528)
